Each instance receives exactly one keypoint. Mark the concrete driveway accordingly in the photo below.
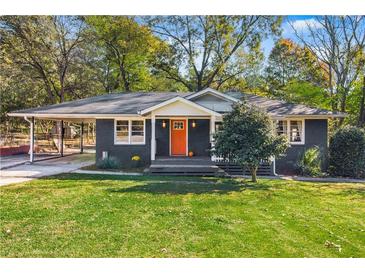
(26, 172)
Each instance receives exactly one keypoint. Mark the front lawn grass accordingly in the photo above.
(77, 215)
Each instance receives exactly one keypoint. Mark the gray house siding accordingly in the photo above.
(105, 142)
(198, 137)
(162, 138)
(199, 143)
(315, 135)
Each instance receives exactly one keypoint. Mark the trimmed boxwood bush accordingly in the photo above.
(347, 153)
(108, 163)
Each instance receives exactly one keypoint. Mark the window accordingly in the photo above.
(296, 131)
(129, 132)
(178, 125)
(293, 129)
(218, 126)
(281, 127)
(122, 130)
(137, 135)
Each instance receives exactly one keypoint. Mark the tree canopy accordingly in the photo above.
(338, 42)
(51, 59)
(208, 51)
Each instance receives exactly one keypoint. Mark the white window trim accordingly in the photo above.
(302, 142)
(130, 131)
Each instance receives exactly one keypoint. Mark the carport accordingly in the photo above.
(32, 116)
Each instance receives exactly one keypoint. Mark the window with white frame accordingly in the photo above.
(129, 132)
(293, 129)
(296, 131)
(137, 132)
(281, 127)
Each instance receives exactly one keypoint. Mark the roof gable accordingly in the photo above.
(179, 106)
(213, 102)
(212, 92)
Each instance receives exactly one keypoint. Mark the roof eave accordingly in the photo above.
(68, 115)
(308, 116)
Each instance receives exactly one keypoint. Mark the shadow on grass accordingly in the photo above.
(144, 178)
(354, 191)
(146, 184)
(175, 188)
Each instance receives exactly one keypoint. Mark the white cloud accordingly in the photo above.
(302, 25)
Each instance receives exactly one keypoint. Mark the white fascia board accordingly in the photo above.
(65, 115)
(309, 116)
(214, 92)
(181, 99)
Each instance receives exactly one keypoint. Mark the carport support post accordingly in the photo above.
(153, 137)
(82, 138)
(211, 133)
(61, 141)
(31, 138)
(31, 143)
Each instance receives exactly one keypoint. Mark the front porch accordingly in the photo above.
(182, 137)
(199, 166)
(202, 166)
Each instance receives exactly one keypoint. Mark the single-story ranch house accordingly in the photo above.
(160, 126)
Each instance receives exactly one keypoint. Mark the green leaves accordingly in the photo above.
(247, 137)
(347, 152)
(206, 51)
(128, 49)
(290, 62)
(309, 163)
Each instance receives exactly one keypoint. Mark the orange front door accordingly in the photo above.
(178, 137)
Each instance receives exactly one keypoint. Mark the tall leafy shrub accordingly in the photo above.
(347, 153)
(247, 138)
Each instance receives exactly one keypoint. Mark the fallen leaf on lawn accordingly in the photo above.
(330, 244)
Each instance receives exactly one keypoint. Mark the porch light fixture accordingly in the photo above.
(193, 124)
(163, 124)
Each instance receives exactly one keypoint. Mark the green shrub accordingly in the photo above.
(347, 153)
(309, 163)
(108, 163)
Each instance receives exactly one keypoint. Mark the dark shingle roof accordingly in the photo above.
(113, 103)
(133, 102)
(278, 107)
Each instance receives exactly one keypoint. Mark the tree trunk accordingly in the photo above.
(253, 174)
(361, 121)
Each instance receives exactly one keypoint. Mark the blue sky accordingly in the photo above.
(268, 44)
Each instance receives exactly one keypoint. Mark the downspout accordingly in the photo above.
(274, 167)
(31, 138)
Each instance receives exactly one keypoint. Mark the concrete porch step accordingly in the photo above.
(190, 170)
(182, 161)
